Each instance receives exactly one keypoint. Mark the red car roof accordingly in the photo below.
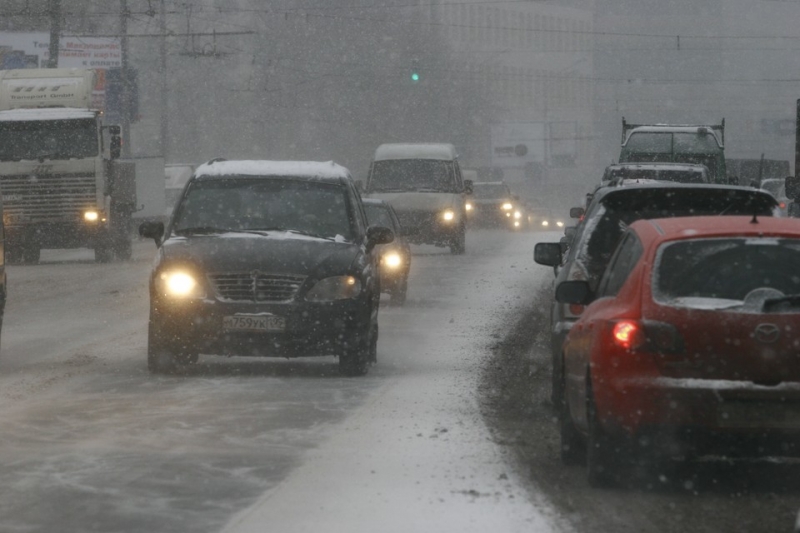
(666, 229)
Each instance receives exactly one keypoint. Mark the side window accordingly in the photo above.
(621, 265)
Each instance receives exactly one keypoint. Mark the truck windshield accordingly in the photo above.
(412, 175)
(48, 139)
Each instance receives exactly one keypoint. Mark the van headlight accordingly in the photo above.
(179, 284)
(91, 216)
(507, 206)
(392, 260)
(448, 215)
(334, 288)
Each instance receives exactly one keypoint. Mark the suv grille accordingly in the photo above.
(256, 286)
(48, 197)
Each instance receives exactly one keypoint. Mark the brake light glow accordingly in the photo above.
(627, 334)
(782, 205)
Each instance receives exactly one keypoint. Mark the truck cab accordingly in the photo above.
(676, 143)
(60, 184)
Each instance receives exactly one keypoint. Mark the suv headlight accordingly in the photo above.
(334, 288)
(179, 283)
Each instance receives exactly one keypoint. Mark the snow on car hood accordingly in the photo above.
(237, 252)
(419, 201)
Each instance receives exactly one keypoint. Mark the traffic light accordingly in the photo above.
(416, 76)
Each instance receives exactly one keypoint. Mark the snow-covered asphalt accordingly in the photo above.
(91, 442)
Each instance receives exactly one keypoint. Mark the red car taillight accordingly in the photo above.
(628, 334)
(647, 335)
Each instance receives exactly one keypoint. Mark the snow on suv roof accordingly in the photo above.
(444, 152)
(659, 166)
(298, 169)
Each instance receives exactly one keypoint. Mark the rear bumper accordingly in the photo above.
(700, 413)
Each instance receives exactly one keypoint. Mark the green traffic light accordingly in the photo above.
(415, 76)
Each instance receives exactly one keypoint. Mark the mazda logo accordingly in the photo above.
(767, 333)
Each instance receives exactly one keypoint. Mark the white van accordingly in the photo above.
(424, 185)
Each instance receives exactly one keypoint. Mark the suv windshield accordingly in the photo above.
(48, 139)
(623, 207)
(412, 175)
(237, 203)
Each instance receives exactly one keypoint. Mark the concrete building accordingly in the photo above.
(533, 61)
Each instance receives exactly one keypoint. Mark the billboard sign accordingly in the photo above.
(32, 50)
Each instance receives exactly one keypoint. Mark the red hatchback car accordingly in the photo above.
(690, 347)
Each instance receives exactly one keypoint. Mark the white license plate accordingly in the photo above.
(759, 415)
(253, 323)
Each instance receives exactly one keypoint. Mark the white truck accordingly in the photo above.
(60, 184)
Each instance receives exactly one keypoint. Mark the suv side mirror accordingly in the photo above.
(547, 253)
(576, 212)
(468, 186)
(793, 187)
(378, 235)
(152, 230)
(574, 292)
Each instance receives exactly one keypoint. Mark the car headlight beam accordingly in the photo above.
(179, 284)
(507, 206)
(392, 260)
(448, 215)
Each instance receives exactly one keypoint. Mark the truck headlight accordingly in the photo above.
(91, 216)
(507, 206)
(179, 284)
(334, 288)
(468, 206)
(448, 215)
(392, 260)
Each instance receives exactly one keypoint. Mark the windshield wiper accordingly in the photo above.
(793, 300)
(290, 230)
(429, 189)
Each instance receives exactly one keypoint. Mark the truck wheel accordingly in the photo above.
(103, 253)
(459, 243)
(31, 254)
(354, 361)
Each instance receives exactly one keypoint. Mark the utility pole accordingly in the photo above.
(164, 88)
(126, 89)
(54, 8)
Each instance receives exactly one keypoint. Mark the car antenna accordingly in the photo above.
(755, 216)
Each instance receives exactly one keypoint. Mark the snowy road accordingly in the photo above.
(91, 442)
